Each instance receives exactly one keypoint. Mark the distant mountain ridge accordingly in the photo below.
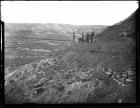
(49, 30)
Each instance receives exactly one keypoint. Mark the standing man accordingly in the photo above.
(91, 36)
(83, 37)
(74, 35)
(87, 37)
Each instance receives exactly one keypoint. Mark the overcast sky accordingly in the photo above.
(67, 12)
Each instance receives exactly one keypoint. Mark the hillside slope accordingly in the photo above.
(98, 72)
(121, 29)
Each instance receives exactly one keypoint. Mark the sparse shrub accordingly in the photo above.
(18, 74)
(34, 65)
(12, 81)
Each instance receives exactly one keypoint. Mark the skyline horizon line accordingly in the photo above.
(72, 13)
(71, 24)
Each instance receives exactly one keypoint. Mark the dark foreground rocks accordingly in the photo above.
(62, 79)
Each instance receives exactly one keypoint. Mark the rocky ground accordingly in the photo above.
(61, 79)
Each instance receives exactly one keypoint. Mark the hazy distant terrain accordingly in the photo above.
(99, 72)
(30, 42)
(48, 31)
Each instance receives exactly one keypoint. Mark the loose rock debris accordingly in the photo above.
(67, 82)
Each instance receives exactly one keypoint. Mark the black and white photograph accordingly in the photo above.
(69, 52)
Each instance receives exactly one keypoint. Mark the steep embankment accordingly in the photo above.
(125, 28)
(98, 72)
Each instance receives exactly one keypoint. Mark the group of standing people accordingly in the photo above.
(88, 37)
